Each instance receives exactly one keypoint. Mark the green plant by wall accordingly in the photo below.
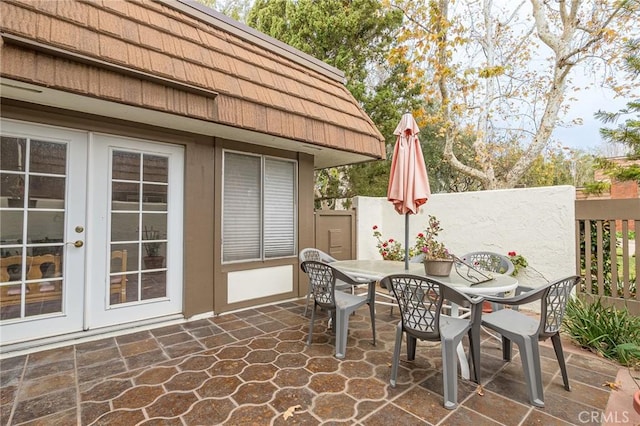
(606, 255)
(596, 188)
(610, 332)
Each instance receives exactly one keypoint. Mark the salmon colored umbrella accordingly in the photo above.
(408, 182)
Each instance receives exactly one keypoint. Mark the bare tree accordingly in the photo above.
(502, 70)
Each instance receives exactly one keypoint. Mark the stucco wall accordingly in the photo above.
(537, 223)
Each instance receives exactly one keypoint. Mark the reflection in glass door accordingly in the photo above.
(33, 176)
(36, 213)
(139, 183)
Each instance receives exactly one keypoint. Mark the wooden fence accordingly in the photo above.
(607, 259)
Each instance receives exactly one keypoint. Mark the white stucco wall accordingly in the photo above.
(538, 223)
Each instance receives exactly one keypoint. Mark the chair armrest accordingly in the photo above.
(523, 296)
(522, 289)
(349, 279)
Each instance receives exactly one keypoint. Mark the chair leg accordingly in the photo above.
(474, 352)
(341, 326)
(396, 355)
(313, 318)
(372, 312)
(306, 306)
(450, 372)
(557, 347)
(411, 348)
(530, 357)
(506, 349)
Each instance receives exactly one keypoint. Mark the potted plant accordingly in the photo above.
(437, 259)
(153, 258)
(15, 185)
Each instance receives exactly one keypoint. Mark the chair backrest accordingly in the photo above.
(38, 267)
(490, 261)
(10, 268)
(420, 300)
(119, 261)
(318, 255)
(322, 279)
(43, 266)
(554, 300)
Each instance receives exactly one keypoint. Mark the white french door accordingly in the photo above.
(42, 230)
(90, 231)
(135, 267)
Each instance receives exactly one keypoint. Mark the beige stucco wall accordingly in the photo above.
(538, 223)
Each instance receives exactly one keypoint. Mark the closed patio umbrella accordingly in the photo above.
(408, 182)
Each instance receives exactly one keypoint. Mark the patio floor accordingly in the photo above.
(250, 367)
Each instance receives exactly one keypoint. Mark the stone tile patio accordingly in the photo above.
(251, 367)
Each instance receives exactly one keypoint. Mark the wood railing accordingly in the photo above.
(606, 258)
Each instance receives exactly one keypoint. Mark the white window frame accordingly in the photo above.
(262, 204)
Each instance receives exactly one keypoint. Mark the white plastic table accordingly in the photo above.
(378, 269)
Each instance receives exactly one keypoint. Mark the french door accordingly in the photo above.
(80, 213)
(136, 193)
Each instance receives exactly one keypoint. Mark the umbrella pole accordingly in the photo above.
(406, 241)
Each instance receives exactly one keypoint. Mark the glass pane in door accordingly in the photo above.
(32, 206)
(138, 236)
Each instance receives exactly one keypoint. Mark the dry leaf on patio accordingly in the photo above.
(290, 411)
(480, 390)
(613, 385)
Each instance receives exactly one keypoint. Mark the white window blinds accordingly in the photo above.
(241, 208)
(259, 208)
(279, 208)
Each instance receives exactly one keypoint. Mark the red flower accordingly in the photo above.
(384, 244)
(390, 240)
(375, 227)
(512, 253)
(421, 235)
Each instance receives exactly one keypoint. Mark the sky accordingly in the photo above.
(586, 136)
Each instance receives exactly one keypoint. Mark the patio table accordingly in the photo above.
(378, 269)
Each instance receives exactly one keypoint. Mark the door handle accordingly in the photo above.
(77, 243)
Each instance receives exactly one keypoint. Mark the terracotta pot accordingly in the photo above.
(153, 262)
(438, 267)
(636, 401)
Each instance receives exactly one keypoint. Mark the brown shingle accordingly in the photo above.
(72, 75)
(22, 21)
(16, 62)
(150, 37)
(110, 24)
(44, 5)
(258, 88)
(132, 91)
(161, 64)
(197, 105)
(179, 101)
(113, 49)
(116, 6)
(43, 29)
(77, 12)
(154, 95)
(110, 85)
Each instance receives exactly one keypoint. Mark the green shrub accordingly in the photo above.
(611, 332)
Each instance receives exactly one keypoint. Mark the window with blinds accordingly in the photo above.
(259, 207)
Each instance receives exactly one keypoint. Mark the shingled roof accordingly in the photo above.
(184, 59)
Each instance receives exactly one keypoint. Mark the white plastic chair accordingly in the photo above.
(322, 280)
(318, 255)
(526, 331)
(421, 301)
